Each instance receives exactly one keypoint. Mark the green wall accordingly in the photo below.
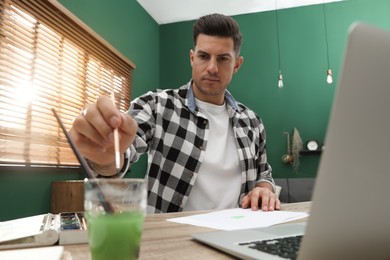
(306, 98)
(161, 54)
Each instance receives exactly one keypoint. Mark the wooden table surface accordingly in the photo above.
(163, 239)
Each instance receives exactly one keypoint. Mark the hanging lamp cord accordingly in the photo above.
(277, 33)
(326, 33)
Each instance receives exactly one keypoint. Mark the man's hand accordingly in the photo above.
(262, 193)
(92, 132)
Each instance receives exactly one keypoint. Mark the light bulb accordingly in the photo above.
(280, 80)
(329, 78)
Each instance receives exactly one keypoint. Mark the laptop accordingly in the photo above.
(350, 212)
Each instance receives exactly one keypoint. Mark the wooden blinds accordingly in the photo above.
(48, 60)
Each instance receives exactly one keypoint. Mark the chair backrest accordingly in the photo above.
(67, 196)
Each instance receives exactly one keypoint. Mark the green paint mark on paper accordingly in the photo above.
(238, 217)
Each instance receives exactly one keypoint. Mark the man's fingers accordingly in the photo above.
(271, 203)
(84, 144)
(129, 126)
(109, 111)
(86, 128)
(255, 195)
(265, 195)
(268, 200)
(245, 202)
(89, 147)
(277, 206)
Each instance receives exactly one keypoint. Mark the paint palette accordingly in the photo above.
(72, 228)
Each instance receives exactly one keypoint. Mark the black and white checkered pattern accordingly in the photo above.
(174, 134)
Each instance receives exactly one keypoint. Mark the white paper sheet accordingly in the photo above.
(238, 218)
(39, 253)
(22, 227)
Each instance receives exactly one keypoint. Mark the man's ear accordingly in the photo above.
(192, 53)
(238, 64)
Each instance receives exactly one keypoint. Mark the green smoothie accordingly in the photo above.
(115, 236)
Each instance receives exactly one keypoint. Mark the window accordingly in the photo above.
(49, 60)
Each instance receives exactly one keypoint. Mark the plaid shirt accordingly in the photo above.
(174, 134)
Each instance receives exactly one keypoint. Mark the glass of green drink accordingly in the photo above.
(115, 210)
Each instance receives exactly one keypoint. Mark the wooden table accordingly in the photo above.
(162, 239)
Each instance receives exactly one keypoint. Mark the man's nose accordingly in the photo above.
(212, 66)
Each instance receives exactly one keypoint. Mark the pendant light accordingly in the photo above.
(280, 76)
(329, 77)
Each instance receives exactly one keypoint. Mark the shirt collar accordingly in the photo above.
(192, 104)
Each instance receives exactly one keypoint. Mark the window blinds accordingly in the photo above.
(47, 60)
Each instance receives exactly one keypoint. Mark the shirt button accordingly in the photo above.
(204, 122)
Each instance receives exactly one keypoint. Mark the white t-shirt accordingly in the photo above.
(218, 184)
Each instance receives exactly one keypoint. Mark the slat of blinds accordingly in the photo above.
(11, 52)
(66, 158)
(73, 100)
(44, 77)
(20, 136)
(43, 80)
(17, 33)
(8, 63)
(44, 155)
(18, 145)
(45, 100)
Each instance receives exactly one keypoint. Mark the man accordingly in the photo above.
(206, 151)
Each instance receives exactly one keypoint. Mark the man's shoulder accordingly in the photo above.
(167, 98)
(169, 92)
(245, 110)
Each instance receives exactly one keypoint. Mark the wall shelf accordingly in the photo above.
(310, 152)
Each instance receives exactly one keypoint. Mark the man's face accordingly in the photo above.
(213, 64)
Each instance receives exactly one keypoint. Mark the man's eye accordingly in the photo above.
(224, 59)
(202, 56)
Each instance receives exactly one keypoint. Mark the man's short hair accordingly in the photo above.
(218, 25)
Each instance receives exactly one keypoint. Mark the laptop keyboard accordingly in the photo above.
(286, 247)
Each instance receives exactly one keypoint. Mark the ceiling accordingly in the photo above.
(170, 11)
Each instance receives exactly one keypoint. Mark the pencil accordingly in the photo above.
(116, 141)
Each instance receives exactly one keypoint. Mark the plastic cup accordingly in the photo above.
(114, 233)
